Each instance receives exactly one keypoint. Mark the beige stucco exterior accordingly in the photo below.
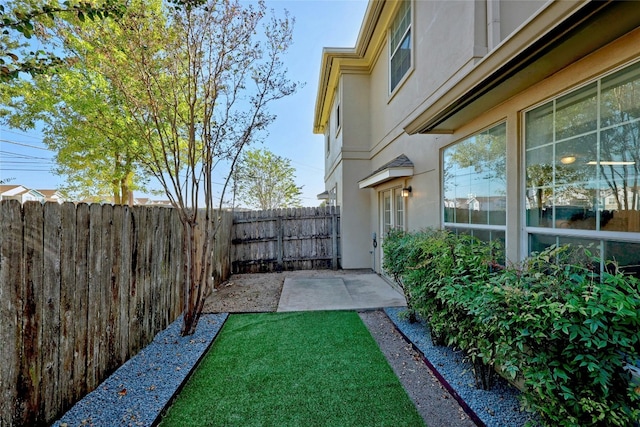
(474, 64)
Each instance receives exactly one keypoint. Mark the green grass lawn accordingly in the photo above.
(293, 369)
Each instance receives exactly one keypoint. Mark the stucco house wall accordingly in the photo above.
(474, 65)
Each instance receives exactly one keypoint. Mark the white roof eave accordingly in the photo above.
(385, 175)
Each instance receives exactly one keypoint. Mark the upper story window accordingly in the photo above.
(327, 143)
(337, 115)
(400, 44)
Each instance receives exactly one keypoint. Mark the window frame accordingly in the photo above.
(600, 238)
(395, 49)
(395, 193)
(484, 231)
(337, 110)
(327, 139)
(499, 230)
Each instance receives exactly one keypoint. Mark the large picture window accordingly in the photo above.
(400, 44)
(474, 185)
(582, 166)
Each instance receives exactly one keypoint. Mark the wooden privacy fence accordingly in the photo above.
(286, 239)
(82, 288)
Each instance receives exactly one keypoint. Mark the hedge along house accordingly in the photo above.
(510, 120)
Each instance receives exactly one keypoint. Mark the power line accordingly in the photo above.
(25, 162)
(15, 155)
(26, 135)
(23, 145)
(26, 170)
(308, 166)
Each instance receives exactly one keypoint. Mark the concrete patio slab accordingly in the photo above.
(353, 292)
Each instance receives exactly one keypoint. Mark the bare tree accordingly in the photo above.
(198, 77)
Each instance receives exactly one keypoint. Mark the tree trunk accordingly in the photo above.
(116, 192)
(125, 189)
(190, 319)
(197, 277)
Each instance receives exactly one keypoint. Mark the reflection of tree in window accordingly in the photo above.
(540, 178)
(583, 167)
(583, 151)
(620, 141)
(485, 153)
(576, 114)
(475, 179)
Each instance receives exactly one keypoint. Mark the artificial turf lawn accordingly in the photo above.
(293, 369)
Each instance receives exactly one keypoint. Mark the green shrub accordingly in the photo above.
(554, 322)
(396, 249)
(568, 331)
(440, 273)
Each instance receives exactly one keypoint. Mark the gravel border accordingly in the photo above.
(137, 392)
(140, 390)
(498, 407)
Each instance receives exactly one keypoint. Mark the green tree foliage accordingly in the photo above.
(21, 20)
(82, 118)
(264, 180)
(84, 123)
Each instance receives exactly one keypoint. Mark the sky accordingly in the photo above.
(25, 160)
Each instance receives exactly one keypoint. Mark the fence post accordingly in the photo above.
(280, 231)
(334, 238)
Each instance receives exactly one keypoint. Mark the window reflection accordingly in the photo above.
(583, 157)
(400, 43)
(582, 166)
(538, 243)
(475, 179)
(576, 113)
(399, 209)
(626, 255)
(485, 236)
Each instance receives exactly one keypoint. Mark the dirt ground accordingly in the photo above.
(259, 292)
(249, 293)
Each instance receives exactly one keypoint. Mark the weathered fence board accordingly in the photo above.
(52, 222)
(67, 298)
(93, 301)
(30, 376)
(11, 266)
(124, 291)
(286, 239)
(83, 288)
(80, 306)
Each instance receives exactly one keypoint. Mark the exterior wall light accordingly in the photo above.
(406, 191)
(567, 160)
